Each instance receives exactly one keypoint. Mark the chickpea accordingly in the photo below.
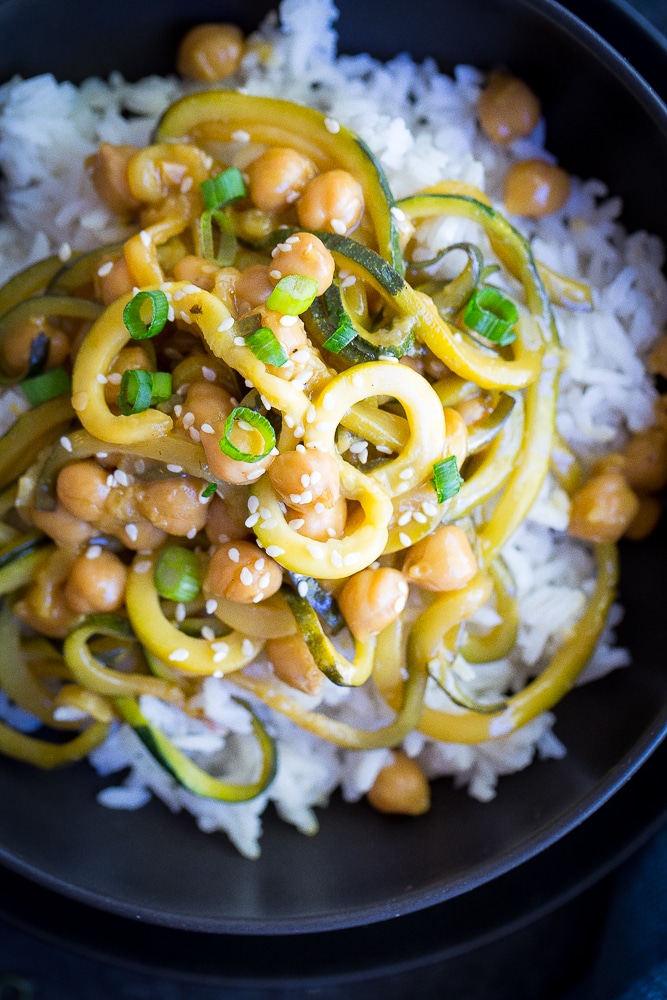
(645, 520)
(535, 188)
(108, 172)
(44, 607)
(226, 519)
(646, 460)
(293, 663)
(319, 522)
(306, 477)
(16, 348)
(307, 256)
(197, 270)
(277, 177)
(401, 787)
(210, 52)
(603, 508)
(241, 572)
(332, 201)
(252, 288)
(174, 504)
(62, 526)
(207, 402)
(114, 281)
(507, 108)
(444, 560)
(372, 599)
(96, 583)
(132, 357)
(82, 489)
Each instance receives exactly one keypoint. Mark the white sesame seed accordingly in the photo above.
(302, 588)
(319, 507)
(383, 449)
(247, 647)
(66, 443)
(101, 379)
(264, 581)
(254, 474)
(336, 559)
(192, 533)
(305, 480)
(299, 431)
(404, 539)
(178, 655)
(399, 604)
(101, 454)
(239, 341)
(105, 268)
(195, 435)
(246, 576)
(419, 517)
(208, 374)
(94, 552)
(269, 523)
(331, 125)
(65, 252)
(180, 612)
(311, 414)
(429, 508)
(349, 281)
(274, 551)
(143, 566)
(406, 474)
(338, 226)
(186, 184)
(296, 523)
(328, 403)
(240, 135)
(220, 651)
(405, 518)
(207, 633)
(175, 468)
(252, 520)
(275, 274)
(233, 554)
(226, 324)
(207, 429)
(114, 378)
(351, 558)
(211, 606)
(132, 532)
(316, 551)
(288, 320)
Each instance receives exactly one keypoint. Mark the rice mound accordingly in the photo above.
(421, 124)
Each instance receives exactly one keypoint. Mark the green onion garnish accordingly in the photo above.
(342, 335)
(446, 478)
(293, 294)
(247, 420)
(136, 391)
(48, 385)
(161, 387)
(223, 189)
(266, 347)
(492, 315)
(140, 389)
(159, 314)
(177, 575)
(209, 490)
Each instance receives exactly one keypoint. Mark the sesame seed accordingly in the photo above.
(143, 566)
(311, 414)
(259, 564)
(336, 559)
(211, 606)
(220, 651)
(207, 429)
(305, 480)
(405, 518)
(405, 540)
(246, 576)
(274, 551)
(296, 523)
(315, 477)
(186, 184)
(178, 655)
(293, 239)
(121, 477)
(429, 508)
(406, 474)
(234, 555)
(207, 633)
(255, 474)
(399, 604)
(239, 341)
(94, 552)
(338, 226)
(301, 448)
(252, 520)
(299, 431)
(132, 532)
(316, 551)
(275, 274)
(288, 320)
(264, 581)
(208, 373)
(65, 252)
(66, 443)
(302, 588)
(358, 446)
(319, 507)
(240, 135)
(351, 558)
(101, 379)
(290, 421)
(101, 454)
(175, 468)
(226, 324)
(114, 378)
(269, 523)
(419, 517)
(328, 403)
(331, 125)
(180, 612)
(105, 269)
(195, 435)
(349, 281)
(383, 449)
(247, 647)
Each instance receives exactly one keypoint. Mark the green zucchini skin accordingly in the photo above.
(185, 771)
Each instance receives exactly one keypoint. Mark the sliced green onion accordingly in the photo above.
(492, 315)
(266, 347)
(257, 422)
(136, 391)
(209, 490)
(223, 189)
(227, 242)
(293, 294)
(48, 385)
(178, 574)
(343, 335)
(159, 314)
(161, 387)
(446, 478)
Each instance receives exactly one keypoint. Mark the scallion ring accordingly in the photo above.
(492, 315)
(139, 330)
(266, 347)
(252, 421)
(227, 187)
(343, 335)
(161, 387)
(178, 574)
(446, 478)
(293, 294)
(48, 385)
(136, 391)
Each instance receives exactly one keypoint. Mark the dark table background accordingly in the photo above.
(607, 942)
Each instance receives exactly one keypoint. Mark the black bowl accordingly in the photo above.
(603, 120)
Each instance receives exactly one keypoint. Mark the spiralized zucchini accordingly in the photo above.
(384, 399)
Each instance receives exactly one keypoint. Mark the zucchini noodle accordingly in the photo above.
(358, 544)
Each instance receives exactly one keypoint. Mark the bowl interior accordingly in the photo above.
(363, 867)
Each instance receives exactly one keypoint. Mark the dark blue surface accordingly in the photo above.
(609, 942)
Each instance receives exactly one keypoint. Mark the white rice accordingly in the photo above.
(422, 126)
